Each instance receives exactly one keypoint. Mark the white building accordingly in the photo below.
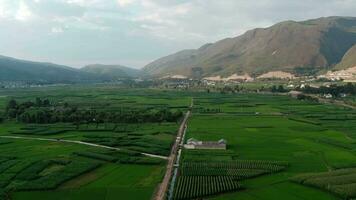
(196, 144)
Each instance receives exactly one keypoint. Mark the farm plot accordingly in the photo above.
(341, 182)
(132, 120)
(271, 128)
(199, 179)
(39, 172)
(31, 172)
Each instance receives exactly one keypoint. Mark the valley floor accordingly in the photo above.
(277, 147)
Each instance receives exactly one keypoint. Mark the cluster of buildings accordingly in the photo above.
(347, 75)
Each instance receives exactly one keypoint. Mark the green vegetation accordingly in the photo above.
(311, 137)
(335, 90)
(199, 179)
(341, 182)
(43, 112)
(56, 178)
(274, 143)
(191, 187)
(75, 171)
(238, 168)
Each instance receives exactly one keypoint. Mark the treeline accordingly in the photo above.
(335, 90)
(44, 111)
(307, 98)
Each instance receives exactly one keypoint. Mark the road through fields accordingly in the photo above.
(79, 142)
(163, 187)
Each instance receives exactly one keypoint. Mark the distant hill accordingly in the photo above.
(112, 71)
(290, 46)
(12, 69)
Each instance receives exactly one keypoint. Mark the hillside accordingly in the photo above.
(112, 71)
(288, 46)
(349, 60)
(12, 69)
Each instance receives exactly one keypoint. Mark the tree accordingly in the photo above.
(274, 89)
(281, 88)
(38, 102)
(12, 104)
(46, 102)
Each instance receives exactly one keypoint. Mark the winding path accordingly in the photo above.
(79, 142)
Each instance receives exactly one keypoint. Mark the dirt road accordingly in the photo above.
(163, 187)
(78, 142)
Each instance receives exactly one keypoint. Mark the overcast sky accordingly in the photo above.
(135, 32)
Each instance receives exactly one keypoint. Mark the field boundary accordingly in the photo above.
(80, 142)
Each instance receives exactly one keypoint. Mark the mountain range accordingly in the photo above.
(16, 70)
(299, 48)
(296, 48)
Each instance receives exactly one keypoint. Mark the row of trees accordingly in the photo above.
(335, 90)
(40, 112)
(237, 88)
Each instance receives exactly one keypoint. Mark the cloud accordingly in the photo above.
(56, 30)
(141, 30)
(23, 13)
(124, 3)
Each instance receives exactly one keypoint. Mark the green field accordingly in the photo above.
(32, 169)
(310, 137)
(277, 147)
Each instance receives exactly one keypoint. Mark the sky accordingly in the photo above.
(136, 32)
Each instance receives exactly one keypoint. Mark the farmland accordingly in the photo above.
(37, 169)
(277, 146)
(305, 137)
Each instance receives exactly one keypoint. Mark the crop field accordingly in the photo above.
(56, 169)
(277, 147)
(341, 182)
(199, 179)
(308, 137)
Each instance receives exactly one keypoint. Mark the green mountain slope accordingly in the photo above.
(12, 69)
(112, 71)
(287, 46)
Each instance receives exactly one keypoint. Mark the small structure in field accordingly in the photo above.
(196, 144)
(294, 93)
(328, 96)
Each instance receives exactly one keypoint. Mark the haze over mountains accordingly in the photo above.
(296, 47)
(12, 69)
(299, 48)
(112, 71)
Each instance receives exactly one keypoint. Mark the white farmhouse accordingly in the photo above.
(196, 144)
